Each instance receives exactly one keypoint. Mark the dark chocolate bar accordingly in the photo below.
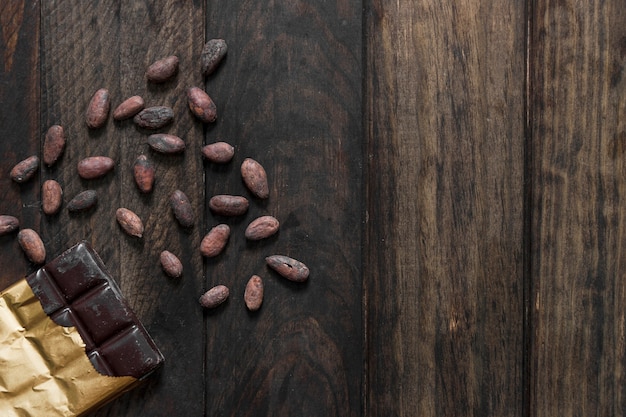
(76, 290)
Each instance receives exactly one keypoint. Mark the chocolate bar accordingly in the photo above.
(69, 341)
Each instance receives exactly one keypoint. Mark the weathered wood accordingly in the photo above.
(289, 95)
(88, 46)
(443, 263)
(19, 121)
(578, 55)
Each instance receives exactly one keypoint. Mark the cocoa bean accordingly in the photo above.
(289, 268)
(8, 224)
(143, 171)
(95, 167)
(32, 245)
(214, 297)
(228, 205)
(129, 221)
(98, 109)
(262, 227)
(214, 242)
(218, 152)
(212, 54)
(255, 178)
(163, 69)
(181, 206)
(53, 144)
(153, 118)
(171, 264)
(253, 295)
(25, 170)
(201, 105)
(128, 108)
(83, 201)
(51, 197)
(166, 144)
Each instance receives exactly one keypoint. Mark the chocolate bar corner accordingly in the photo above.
(69, 341)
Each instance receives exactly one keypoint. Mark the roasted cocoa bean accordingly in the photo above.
(83, 201)
(255, 178)
(228, 205)
(163, 69)
(143, 171)
(181, 207)
(32, 245)
(53, 144)
(214, 242)
(129, 221)
(153, 118)
(214, 297)
(166, 144)
(95, 167)
(253, 295)
(171, 265)
(212, 54)
(288, 267)
(8, 224)
(128, 108)
(51, 197)
(25, 170)
(98, 109)
(218, 152)
(262, 227)
(201, 105)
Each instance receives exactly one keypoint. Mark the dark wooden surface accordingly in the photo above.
(452, 175)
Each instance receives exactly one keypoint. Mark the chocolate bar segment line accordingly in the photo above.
(76, 290)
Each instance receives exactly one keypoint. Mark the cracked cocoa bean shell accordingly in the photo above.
(289, 268)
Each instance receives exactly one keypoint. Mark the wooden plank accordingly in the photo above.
(109, 44)
(578, 55)
(19, 118)
(444, 236)
(289, 95)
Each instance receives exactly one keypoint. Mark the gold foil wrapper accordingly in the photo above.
(44, 369)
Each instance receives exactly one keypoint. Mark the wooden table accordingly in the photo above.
(452, 173)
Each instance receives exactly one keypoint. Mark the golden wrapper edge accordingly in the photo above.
(44, 369)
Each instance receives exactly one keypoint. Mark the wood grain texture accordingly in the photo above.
(19, 120)
(289, 95)
(578, 56)
(88, 46)
(443, 263)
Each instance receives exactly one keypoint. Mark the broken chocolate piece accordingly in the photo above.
(76, 290)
